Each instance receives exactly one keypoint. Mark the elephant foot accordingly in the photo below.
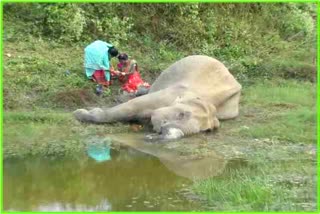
(81, 115)
(92, 116)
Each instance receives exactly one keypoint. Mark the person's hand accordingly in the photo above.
(117, 72)
(123, 73)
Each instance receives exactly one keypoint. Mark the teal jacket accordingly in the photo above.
(96, 57)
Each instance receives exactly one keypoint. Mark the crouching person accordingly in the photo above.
(97, 64)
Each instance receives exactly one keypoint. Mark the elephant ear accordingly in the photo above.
(184, 115)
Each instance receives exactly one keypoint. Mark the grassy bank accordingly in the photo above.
(277, 110)
(274, 136)
(269, 48)
(35, 74)
(49, 134)
(275, 133)
(43, 44)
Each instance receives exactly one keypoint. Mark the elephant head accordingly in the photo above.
(184, 117)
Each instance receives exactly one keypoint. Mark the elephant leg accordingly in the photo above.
(131, 110)
(230, 108)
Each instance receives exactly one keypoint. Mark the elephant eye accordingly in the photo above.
(180, 115)
(184, 115)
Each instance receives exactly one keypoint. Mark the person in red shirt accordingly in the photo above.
(129, 76)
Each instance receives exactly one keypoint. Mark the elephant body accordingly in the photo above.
(190, 96)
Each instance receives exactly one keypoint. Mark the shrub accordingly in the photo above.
(64, 21)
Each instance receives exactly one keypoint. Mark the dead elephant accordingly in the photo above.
(190, 96)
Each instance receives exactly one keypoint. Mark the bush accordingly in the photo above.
(64, 21)
(43, 41)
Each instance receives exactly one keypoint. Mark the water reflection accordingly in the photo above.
(185, 166)
(122, 174)
(131, 180)
(99, 148)
(60, 207)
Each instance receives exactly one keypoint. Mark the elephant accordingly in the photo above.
(190, 96)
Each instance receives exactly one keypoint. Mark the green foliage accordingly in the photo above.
(189, 30)
(43, 41)
(64, 21)
(24, 20)
(117, 30)
(296, 20)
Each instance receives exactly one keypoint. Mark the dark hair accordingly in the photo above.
(113, 52)
(123, 56)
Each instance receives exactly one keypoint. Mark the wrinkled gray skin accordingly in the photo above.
(190, 96)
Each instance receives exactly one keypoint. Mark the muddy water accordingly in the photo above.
(131, 180)
(115, 173)
(191, 167)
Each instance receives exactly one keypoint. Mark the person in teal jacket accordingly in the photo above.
(97, 58)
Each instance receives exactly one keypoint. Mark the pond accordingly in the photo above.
(122, 172)
(107, 177)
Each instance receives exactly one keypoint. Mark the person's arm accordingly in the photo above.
(119, 71)
(133, 67)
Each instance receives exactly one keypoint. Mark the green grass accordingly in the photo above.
(276, 135)
(48, 134)
(267, 187)
(292, 93)
(277, 109)
(295, 126)
(35, 74)
(243, 192)
(275, 132)
(288, 111)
